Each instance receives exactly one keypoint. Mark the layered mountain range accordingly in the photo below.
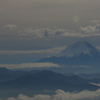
(12, 83)
(80, 53)
(41, 82)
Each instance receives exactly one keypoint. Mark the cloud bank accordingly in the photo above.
(47, 32)
(45, 51)
(44, 32)
(29, 65)
(62, 95)
(32, 33)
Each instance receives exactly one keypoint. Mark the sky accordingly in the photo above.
(34, 29)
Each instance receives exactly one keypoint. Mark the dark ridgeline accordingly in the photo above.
(44, 82)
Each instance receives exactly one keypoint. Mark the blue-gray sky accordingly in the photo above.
(32, 29)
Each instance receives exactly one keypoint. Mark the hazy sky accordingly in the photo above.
(49, 13)
(34, 29)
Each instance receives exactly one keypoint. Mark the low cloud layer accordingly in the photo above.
(45, 51)
(62, 95)
(46, 32)
(29, 65)
(32, 33)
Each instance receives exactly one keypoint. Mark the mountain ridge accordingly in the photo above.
(45, 82)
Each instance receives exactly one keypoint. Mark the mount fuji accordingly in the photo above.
(80, 48)
(80, 53)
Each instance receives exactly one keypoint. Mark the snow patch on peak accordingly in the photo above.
(80, 47)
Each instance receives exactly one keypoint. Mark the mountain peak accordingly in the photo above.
(79, 53)
(78, 48)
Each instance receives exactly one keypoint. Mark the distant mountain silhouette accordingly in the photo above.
(44, 81)
(89, 76)
(4, 70)
(45, 74)
(6, 74)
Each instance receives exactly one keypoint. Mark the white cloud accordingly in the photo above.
(10, 26)
(29, 65)
(46, 32)
(91, 29)
(62, 95)
(46, 51)
(31, 33)
(95, 84)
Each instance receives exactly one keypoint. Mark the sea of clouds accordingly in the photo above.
(62, 95)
